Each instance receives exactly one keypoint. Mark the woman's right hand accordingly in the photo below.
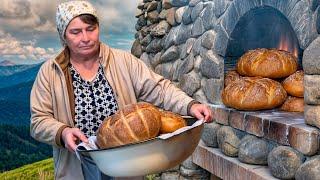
(70, 136)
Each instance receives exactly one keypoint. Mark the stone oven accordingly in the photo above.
(262, 27)
(194, 42)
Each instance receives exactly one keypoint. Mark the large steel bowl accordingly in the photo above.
(147, 157)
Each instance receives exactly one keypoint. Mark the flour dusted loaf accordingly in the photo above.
(269, 63)
(230, 77)
(293, 104)
(294, 84)
(170, 122)
(254, 93)
(134, 123)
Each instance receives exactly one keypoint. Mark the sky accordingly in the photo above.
(28, 30)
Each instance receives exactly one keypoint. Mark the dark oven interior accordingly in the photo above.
(263, 27)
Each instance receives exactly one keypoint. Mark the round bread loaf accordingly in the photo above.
(254, 93)
(294, 84)
(269, 63)
(230, 77)
(171, 122)
(293, 104)
(134, 123)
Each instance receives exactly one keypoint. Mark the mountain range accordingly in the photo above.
(8, 68)
(7, 63)
(15, 93)
(16, 144)
(17, 74)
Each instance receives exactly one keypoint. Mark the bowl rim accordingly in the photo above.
(139, 142)
(120, 146)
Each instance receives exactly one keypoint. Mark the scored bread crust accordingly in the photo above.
(253, 93)
(230, 77)
(269, 63)
(134, 123)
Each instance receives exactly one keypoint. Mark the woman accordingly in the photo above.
(89, 81)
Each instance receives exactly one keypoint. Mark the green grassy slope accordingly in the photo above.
(42, 170)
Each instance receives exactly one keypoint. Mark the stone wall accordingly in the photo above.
(186, 42)
(176, 39)
(279, 140)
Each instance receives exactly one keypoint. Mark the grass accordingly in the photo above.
(42, 170)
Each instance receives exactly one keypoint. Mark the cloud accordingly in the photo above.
(35, 19)
(11, 47)
(14, 9)
(26, 15)
(123, 41)
(28, 24)
(117, 16)
(39, 15)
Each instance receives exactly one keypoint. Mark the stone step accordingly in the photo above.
(285, 128)
(228, 168)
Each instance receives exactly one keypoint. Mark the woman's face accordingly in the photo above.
(82, 39)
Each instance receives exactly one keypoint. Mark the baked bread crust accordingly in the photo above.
(294, 84)
(230, 77)
(134, 123)
(293, 104)
(269, 63)
(170, 122)
(254, 93)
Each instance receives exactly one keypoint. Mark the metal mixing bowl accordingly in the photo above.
(147, 157)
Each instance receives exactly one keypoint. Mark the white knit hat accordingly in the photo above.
(67, 11)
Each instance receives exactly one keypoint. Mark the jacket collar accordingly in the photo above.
(63, 59)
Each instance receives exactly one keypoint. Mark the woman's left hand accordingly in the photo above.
(201, 111)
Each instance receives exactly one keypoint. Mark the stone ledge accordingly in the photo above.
(285, 128)
(228, 168)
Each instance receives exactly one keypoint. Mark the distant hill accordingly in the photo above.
(7, 63)
(12, 69)
(14, 113)
(17, 93)
(15, 104)
(18, 148)
(22, 76)
(38, 170)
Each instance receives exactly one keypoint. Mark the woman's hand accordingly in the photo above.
(70, 136)
(201, 111)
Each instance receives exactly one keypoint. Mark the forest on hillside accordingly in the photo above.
(19, 148)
